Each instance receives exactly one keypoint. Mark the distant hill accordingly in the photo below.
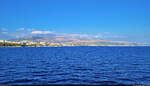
(74, 41)
(46, 39)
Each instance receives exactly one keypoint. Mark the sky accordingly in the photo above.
(116, 20)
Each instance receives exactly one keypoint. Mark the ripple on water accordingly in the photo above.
(79, 65)
(83, 69)
(32, 67)
(63, 74)
(39, 75)
(69, 79)
(125, 79)
(106, 82)
(20, 81)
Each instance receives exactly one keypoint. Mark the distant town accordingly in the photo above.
(57, 41)
(27, 43)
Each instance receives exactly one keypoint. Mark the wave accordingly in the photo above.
(20, 81)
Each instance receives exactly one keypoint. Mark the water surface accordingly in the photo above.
(74, 65)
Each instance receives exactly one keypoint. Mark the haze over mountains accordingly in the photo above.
(62, 39)
(72, 40)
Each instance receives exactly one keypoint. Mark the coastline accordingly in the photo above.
(78, 46)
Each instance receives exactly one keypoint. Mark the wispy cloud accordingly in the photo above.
(80, 36)
(110, 35)
(26, 29)
(17, 35)
(3, 32)
(98, 36)
(107, 33)
(24, 32)
(42, 32)
(20, 29)
(77, 35)
(3, 29)
(30, 29)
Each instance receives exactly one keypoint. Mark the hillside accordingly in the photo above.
(69, 41)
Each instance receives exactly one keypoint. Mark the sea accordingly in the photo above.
(81, 65)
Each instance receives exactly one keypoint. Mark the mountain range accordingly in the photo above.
(74, 41)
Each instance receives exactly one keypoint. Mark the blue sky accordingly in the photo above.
(120, 20)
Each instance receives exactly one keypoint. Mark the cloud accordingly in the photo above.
(74, 35)
(20, 29)
(78, 35)
(3, 32)
(42, 32)
(114, 36)
(98, 36)
(3, 29)
(107, 33)
(30, 29)
(19, 35)
(25, 32)
(26, 29)
(81, 36)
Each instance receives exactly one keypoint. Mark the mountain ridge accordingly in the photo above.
(70, 41)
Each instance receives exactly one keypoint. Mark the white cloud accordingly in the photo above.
(107, 33)
(114, 36)
(30, 29)
(3, 32)
(3, 29)
(20, 29)
(42, 32)
(74, 35)
(26, 29)
(79, 35)
(98, 36)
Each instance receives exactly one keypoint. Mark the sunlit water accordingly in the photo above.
(75, 65)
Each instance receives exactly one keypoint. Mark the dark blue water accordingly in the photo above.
(75, 65)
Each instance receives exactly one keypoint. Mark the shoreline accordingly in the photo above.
(74, 46)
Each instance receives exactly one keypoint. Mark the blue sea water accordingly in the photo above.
(74, 65)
